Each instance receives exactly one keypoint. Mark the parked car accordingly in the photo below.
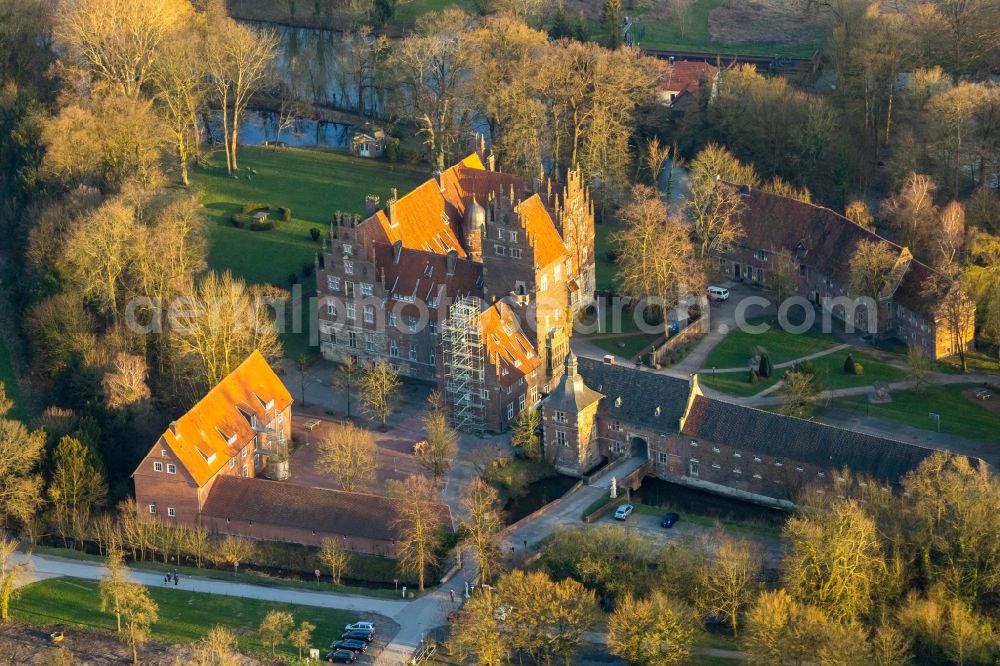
(718, 293)
(361, 626)
(669, 519)
(983, 394)
(623, 512)
(358, 635)
(342, 656)
(352, 645)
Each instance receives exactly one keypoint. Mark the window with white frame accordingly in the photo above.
(331, 308)
(370, 342)
(157, 466)
(510, 410)
(171, 512)
(171, 468)
(352, 339)
(393, 348)
(411, 323)
(560, 438)
(152, 508)
(694, 467)
(515, 252)
(348, 267)
(543, 283)
(351, 311)
(432, 358)
(413, 351)
(433, 326)
(348, 288)
(500, 250)
(392, 319)
(366, 289)
(520, 404)
(561, 417)
(369, 314)
(246, 471)
(661, 458)
(333, 283)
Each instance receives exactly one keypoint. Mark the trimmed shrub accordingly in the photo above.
(240, 220)
(753, 378)
(392, 150)
(859, 369)
(266, 225)
(285, 214)
(315, 233)
(849, 364)
(765, 368)
(307, 269)
(253, 207)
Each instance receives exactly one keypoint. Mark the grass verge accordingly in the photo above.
(183, 616)
(959, 415)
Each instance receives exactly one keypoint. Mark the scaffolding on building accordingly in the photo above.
(464, 357)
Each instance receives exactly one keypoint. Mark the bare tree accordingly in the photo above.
(656, 258)
(918, 368)
(114, 585)
(525, 435)
(334, 557)
(798, 392)
(657, 155)
(482, 528)
(349, 454)
(234, 549)
(217, 648)
(274, 628)
(239, 61)
(379, 385)
(419, 526)
(197, 543)
(730, 580)
(20, 484)
(442, 440)
(179, 77)
(912, 214)
(347, 380)
(138, 612)
(12, 575)
(873, 276)
(658, 630)
(782, 274)
(857, 212)
(955, 310)
(118, 40)
(77, 487)
(301, 636)
(125, 386)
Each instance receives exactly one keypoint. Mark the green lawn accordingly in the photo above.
(976, 362)
(735, 349)
(183, 616)
(959, 416)
(314, 184)
(10, 383)
(830, 369)
(663, 34)
(605, 269)
(408, 12)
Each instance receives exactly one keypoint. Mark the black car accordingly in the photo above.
(669, 519)
(358, 635)
(352, 645)
(342, 656)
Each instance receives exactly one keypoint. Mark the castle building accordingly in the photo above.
(603, 411)
(521, 248)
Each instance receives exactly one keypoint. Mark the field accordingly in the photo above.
(314, 184)
(183, 616)
(735, 349)
(959, 415)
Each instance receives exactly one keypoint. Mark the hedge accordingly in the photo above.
(240, 220)
(253, 207)
(285, 214)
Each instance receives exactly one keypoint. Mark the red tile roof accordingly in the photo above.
(773, 222)
(423, 276)
(218, 426)
(685, 75)
(326, 511)
(507, 348)
(541, 230)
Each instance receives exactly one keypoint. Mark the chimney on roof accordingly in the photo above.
(491, 161)
(671, 60)
(452, 261)
(397, 249)
(173, 428)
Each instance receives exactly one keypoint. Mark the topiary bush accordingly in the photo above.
(753, 378)
(266, 225)
(285, 213)
(253, 207)
(765, 368)
(239, 220)
(858, 369)
(392, 150)
(314, 233)
(849, 364)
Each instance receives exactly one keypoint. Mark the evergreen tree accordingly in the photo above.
(849, 364)
(561, 27)
(765, 366)
(612, 18)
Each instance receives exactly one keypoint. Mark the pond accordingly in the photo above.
(260, 127)
(682, 499)
(536, 495)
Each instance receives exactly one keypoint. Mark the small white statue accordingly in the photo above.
(614, 487)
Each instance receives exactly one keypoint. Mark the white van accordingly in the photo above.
(718, 293)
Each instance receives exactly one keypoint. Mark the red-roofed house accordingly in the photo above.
(386, 283)
(230, 432)
(685, 77)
